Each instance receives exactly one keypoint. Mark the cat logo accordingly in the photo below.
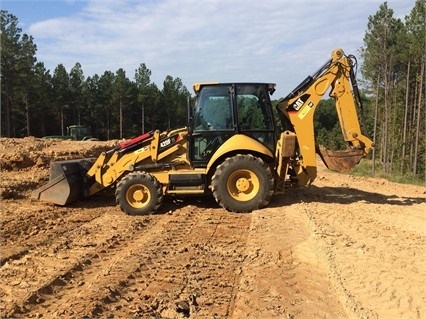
(297, 104)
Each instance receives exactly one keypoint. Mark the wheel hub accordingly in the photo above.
(138, 195)
(242, 184)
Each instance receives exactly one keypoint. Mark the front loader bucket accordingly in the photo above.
(340, 161)
(67, 182)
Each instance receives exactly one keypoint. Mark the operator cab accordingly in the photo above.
(225, 109)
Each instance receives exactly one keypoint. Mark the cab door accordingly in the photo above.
(254, 113)
(213, 122)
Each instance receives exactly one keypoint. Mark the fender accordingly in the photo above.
(239, 143)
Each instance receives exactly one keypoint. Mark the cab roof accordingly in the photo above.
(197, 86)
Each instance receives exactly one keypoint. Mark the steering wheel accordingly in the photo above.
(211, 146)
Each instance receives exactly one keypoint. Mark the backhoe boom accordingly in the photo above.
(298, 108)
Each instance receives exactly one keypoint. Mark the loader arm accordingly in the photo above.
(73, 180)
(150, 150)
(336, 76)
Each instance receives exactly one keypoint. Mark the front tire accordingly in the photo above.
(243, 183)
(139, 193)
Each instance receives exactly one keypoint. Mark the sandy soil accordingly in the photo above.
(345, 247)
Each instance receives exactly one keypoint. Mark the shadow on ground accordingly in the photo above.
(339, 195)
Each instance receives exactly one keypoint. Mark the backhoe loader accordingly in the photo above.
(234, 147)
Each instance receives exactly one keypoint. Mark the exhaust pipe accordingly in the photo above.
(67, 182)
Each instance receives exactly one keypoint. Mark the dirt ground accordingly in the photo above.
(345, 247)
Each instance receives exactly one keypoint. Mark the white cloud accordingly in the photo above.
(234, 40)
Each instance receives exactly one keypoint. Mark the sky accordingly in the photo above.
(274, 41)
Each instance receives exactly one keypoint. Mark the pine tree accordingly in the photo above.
(17, 64)
(380, 69)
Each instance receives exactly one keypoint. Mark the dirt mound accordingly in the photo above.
(30, 152)
(25, 162)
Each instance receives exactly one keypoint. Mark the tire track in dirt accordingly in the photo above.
(37, 226)
(373, 243)
(106, 274)
(188, 269)
(159, 265)
(99, 278)
(283, 275)
(46, 262)
(379, 233)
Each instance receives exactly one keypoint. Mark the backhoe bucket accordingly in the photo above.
(67, 182)
(340, 161)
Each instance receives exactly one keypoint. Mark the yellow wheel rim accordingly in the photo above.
(243, 185)
(138, 196)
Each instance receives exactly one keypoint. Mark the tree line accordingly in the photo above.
(36, 102)
(394, 71)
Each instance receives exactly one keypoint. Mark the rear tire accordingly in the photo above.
(243, 183)
(139, 193)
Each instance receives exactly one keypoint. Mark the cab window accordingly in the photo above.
(214, 109)
(254, 113)
(253, 108)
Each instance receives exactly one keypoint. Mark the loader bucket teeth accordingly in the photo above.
(67, 182)
(340, 161)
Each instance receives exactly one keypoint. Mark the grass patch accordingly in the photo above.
(364, 168)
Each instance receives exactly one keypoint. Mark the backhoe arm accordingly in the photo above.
(347, 102)
(298, 109)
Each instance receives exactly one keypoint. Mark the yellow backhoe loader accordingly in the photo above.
(233, 147)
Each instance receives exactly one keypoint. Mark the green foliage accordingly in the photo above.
(327, 127)
(249, 114)
(17, 66)
(364, 168)
(174, 98)
(217, 110)
(394, 73)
